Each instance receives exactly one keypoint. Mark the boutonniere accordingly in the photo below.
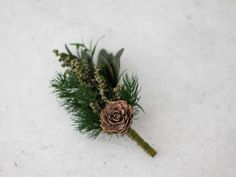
(99, 98)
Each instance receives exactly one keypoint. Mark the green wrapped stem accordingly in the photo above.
(131, 133)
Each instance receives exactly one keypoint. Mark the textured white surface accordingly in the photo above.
(184, 53)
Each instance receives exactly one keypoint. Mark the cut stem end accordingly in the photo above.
(132, 134)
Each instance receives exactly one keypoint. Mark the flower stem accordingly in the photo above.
(132, 134)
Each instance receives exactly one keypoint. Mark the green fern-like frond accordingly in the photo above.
(77, 98)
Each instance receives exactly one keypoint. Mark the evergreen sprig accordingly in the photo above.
(130, 92)
(77, 99)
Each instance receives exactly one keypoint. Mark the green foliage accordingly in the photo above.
(76, 99)
(83, 52)
(110, 66)
(80, 67)
(85, 89)
(130, 92)
(69, 52)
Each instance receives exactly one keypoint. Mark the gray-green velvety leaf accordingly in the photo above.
(104, 64)
(116, 61)
(101, 57)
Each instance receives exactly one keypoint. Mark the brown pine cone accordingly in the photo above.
(116, 117)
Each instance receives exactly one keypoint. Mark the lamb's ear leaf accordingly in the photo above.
(119, 53)
(111, 59)
(102, 56)
(105, 66)
(116, 61)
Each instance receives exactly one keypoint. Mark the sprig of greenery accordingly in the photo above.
(81, 63)
(130, 92)
(77, 99)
